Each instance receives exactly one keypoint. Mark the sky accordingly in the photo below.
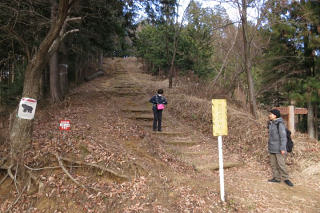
(232, 11)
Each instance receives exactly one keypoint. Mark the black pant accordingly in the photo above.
(157, 118)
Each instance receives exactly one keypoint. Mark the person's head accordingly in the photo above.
(274, 114)
(160, 91)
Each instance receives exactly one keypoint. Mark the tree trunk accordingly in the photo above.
(311, 131)
(247, 67)
(63, 79)
(20, 134)
(315, 107)
(12, 72)
(54, 79)
(1, 109)
(171, 68)
(21, 131)
(100, 62)
(173, 57)
(55, 91)
(41, 85)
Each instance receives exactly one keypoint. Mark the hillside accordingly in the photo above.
(118, 164)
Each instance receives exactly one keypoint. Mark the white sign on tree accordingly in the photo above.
(27, 108)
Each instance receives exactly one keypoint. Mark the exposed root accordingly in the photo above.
(35, 179)
(4, 178)
(2, 161)
(15, 179)
(10, 172)
(49, 167)
(96, 166)
(18, 198)
(68, 174)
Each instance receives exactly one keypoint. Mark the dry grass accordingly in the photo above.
(190, 100)
(161, 180)
(246, 136)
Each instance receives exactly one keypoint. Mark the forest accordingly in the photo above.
(256, 60)
(272, 58)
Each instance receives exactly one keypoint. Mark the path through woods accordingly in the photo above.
(175, 170)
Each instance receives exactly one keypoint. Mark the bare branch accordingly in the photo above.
(74, 19)
(57, 41)
(226, 58)
(69, 32)
(20, 40)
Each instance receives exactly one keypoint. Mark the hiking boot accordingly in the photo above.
(288, 182)
(273, 180)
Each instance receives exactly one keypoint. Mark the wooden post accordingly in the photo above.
(288, 114)
(291, 119)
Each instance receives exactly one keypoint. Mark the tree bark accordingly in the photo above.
(311, 130)
(21, 131)
(172, 65)
(316, 135)
(100, 61)
(247, 67)
(55, 91)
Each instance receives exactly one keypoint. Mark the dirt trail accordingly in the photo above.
(246, 187)
(170, 171)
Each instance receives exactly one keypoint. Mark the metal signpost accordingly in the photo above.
(220, 127)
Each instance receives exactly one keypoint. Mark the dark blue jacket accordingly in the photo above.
(157, 99)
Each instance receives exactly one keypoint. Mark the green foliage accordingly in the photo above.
(104, 26)
(10, 90)
(195, 46)
(150, 45)
(292, 59)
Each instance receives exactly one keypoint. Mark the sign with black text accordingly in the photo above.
(219, 117)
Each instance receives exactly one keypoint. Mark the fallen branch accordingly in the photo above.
(68, 174)
(96, 166)
(94, 75)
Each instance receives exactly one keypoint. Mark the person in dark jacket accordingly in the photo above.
(277, 147)
(157, 111)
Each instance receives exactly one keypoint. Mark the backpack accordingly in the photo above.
(159, 106)
(289, 140)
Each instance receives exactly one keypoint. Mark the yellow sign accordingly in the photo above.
(219, 117)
